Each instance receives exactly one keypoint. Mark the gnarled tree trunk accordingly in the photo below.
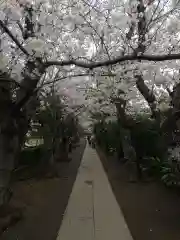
(13, 125)
(8, 137)
(172, 121)
(9, 143)
(125, 123)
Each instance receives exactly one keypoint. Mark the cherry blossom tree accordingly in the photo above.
(139, 82)
(42, 42)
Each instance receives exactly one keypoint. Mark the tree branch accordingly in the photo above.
(147, 57)
(15, 40)
(92, 65)
(77, 75)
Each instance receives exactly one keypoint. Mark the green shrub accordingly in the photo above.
(145, 136)
(31, 155)
(170, 172)
(147, 140)
(108, 136)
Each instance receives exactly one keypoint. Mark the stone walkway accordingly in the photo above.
(93, 212)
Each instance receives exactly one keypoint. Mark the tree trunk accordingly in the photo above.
(171, 123)
(8, 138)
(148, 96)
(125, 124)
(11, 131)
(64, 150)
(8, 149)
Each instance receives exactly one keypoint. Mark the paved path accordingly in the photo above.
(93, 212)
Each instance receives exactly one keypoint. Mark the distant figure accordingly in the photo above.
(70, 145)
(89, 139)
(92, 140)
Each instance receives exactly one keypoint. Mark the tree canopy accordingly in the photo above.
(106, 40)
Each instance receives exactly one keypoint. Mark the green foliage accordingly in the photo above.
(55, 125)
(170, 172)
(31, 155)
(53, 121)
(108, 136)
(146, 138)
(147, 141)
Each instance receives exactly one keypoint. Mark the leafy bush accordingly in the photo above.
(31, 155)
(56, 126)
(108, 136)
(147, 139)
(168, 171)
(171, 169)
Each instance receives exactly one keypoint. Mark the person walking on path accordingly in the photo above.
(89, 139)
(92, 141)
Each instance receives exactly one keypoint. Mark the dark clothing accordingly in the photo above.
(89, 140)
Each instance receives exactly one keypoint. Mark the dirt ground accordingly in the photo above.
(151, 210)
(44, 202)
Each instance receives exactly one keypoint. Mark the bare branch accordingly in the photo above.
(147, 57)
(76, 75)
(15, 40)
